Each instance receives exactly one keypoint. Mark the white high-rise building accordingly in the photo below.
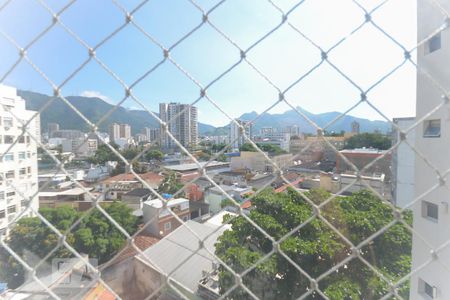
(237, 138)
(18, 168)
(403, 164)
(182, 120)
(431, 212)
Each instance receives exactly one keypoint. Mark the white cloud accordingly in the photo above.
(95, 94)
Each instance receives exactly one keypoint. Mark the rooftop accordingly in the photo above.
(194, 166)
(158, 203)
(178, 253)
(364, 151)
(139, 192)
(149, 177)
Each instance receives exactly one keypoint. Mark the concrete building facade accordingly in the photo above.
(403, 164)
(182, 122)
(237, 138)
(431, 218)
(18, 167)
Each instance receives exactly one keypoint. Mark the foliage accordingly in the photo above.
(170, 184)
(154, 155)
(271, 149)
(315, 247)
(368, 140)
(95, 236)
(104, 154)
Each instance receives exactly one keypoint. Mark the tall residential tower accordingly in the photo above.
(431, 214)
(182, 121)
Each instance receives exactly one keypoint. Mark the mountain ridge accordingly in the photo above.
(95, 109)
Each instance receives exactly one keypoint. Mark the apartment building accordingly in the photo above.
(237, 138)
(119, 131)
(152, 134)
(431, 218)
(18, 167)
(403, 164)
(182, 121)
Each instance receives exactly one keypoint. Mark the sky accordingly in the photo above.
(283, 57)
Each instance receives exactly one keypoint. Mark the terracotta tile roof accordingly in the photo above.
(149, 177)
(284, 187)
(246, 204)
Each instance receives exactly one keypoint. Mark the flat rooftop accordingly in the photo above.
(158, 203)
(364, 151)
(194, 166)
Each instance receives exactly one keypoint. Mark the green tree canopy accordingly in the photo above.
(368, 140)
(315, 247)
(170, 184)
(271, 149)
(95, 236)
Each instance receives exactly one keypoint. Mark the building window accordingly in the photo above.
(9, 174)
(2, 214)
(23, 171)
(430, 211)
(167, 226)
(29, 170)
(434, 43)
(9, 139)
(7, 122)
(2, 195)
(28, 139)
(8, 157)
(22, 155)
(29, 154)
(10, 194)
(21, 139)
(185, 218)
(427, 289)
(11, 209)
(432, 128)
(23, 203)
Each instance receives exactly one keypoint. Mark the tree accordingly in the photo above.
(271, 149)
(170, 184)
(315, 247)
(154, 155)
(368, 140)
(95, 236)
(104, 154)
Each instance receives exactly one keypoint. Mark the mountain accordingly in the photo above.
(93, 109)
(291, 117)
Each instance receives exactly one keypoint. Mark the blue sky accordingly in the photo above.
(284, 56)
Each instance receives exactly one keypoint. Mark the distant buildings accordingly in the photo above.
(119, 131)
(355, 127)
(152, 134)
(182, 122)
(68, 134)
(81, 147)
(18, 167)
(237, 138)
(52, 127)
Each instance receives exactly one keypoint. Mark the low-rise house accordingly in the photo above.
(134, 199)
(159, 221)
(214, 196)
(76, 197)
(115, 187)
(98, 173)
